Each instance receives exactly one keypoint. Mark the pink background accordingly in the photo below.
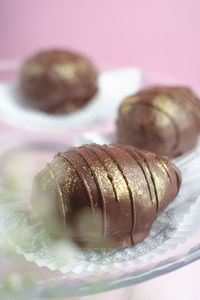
(157, 35)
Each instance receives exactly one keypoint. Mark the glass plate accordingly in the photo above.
(22, 279)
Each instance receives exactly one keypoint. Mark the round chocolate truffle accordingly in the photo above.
(165, 120)
(58, 82)
(104, 196)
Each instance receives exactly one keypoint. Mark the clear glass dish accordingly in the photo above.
(22, 279)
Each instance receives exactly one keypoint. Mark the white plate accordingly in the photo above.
(113, 87)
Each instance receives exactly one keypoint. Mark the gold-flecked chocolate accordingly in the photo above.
(33, 69)
(65, 70)
(58, 81)
(115, 192)
(161, 119)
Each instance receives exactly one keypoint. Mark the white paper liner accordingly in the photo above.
(179, 221)
(113, 87)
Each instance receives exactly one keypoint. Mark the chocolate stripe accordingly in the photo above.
(152, 178)
(178, 178)
(137, 158)
(165, 168)
(82, 180)
(185, 108)
(102, 162)
(59, 195)
(103, 203)
(128, 187)
(61, 202)
(173, 122)
(191, 98)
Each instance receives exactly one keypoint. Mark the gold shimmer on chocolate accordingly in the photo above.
(104, 196)
(165, 120)
(58, 82)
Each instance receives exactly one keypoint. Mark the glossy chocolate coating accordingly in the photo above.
(58, 82)
(121, 188)
(165, 120)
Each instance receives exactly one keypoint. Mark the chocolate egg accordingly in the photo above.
(165, 120)
(104, 196)
(58, 81)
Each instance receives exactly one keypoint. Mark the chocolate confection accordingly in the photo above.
(165, 120)
(58, 82)
(104, 196)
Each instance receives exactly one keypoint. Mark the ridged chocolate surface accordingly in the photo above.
(165, 120)
(58, 82)
(104, 196)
